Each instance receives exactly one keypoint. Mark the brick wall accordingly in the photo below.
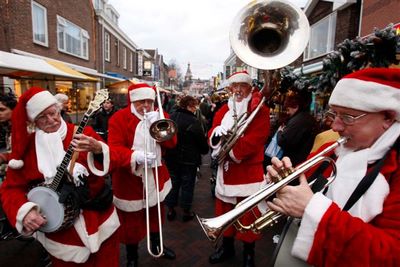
(379, 13)
(19, 21)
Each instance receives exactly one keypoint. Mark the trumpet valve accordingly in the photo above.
(282, 173)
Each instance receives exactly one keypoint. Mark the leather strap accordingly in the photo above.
(74, 157)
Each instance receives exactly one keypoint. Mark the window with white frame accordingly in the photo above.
(39, 24)
(107, 46)
(72, 39)
(322, 37)
(125, 58)
(131, 62)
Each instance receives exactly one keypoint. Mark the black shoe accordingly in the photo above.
(133, 263)
(248, 261)
(188, 216)
(168, 253)
(171, 215)
(221, 255)
(248, 254)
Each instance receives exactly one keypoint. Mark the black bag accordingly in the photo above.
(102, 201)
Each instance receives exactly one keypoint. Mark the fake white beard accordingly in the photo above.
(140, 132)
(50, 150)
(241, 108)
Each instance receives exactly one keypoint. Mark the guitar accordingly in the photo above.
(62, 215)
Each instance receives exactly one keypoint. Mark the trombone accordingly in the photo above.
(214, 227)
(160, 130)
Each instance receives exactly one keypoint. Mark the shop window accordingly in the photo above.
(39, 24)
(322, 37)
(72, 39)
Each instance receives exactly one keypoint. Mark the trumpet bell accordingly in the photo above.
(269, 34)
(163, 129)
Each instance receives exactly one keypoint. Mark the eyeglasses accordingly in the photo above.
(51, 114)
(347, 119)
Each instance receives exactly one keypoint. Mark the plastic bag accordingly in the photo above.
(273, 149)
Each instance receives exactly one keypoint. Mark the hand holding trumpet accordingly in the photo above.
(290, 200)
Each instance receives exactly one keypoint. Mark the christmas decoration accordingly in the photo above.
(380, 49)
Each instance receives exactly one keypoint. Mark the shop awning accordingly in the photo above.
(25, 67)
(63, 67)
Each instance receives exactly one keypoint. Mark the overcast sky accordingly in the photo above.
(186, 31)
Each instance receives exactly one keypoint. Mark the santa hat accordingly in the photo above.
(371, 90)
(140, 91)
(30, 105)
(240, 77)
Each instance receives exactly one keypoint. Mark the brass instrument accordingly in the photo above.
(267, 35)
(214, 227)
(160, 130)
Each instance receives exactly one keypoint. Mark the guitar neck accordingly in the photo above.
(68, 156)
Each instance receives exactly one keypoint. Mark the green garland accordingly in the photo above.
(380, 49)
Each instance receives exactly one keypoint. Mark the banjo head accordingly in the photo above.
(47, 200)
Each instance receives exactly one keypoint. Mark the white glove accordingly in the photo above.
(220, 131)
(140, 158)
(152, 116)
(78, 171)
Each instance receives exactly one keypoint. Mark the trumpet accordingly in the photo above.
(214, 227)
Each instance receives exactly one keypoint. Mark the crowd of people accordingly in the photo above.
(354, 222)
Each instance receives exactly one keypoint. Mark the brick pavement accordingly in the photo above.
(190, 243)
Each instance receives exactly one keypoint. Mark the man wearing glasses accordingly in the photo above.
(357, 222)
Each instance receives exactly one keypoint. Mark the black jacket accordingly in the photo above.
(192, 141)
(297, 137)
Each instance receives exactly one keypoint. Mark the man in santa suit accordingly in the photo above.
(129, 132)
(92, 239)
(241, 172)
(365, 231)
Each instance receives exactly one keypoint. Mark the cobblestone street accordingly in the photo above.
(190, 243)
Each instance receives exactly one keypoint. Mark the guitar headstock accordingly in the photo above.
(95, 104)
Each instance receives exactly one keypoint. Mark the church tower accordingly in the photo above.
(188, 76)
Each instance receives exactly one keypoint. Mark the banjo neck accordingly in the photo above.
(55, 184)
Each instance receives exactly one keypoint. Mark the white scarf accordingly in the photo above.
(50, 150)
(352, 167)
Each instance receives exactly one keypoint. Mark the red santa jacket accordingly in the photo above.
(242, 172)
(127, 185)
(91, 228)
(340, 239)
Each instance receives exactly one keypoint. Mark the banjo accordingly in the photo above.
(62, 215)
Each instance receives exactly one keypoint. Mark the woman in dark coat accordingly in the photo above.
(296, 136)
(185, 158)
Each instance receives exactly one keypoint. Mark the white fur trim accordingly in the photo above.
(106, 229)
(313, 213)
(63, 252)
(15, 164)
(39, 102)
(366, 96)
(142, 93)
(22, 211)
(239, 190)
(106, 161)
(240, 78)
(92, 242)
(136, 205)
(232, 155)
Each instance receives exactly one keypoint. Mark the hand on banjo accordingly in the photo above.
(33, 221)
(83, 143)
